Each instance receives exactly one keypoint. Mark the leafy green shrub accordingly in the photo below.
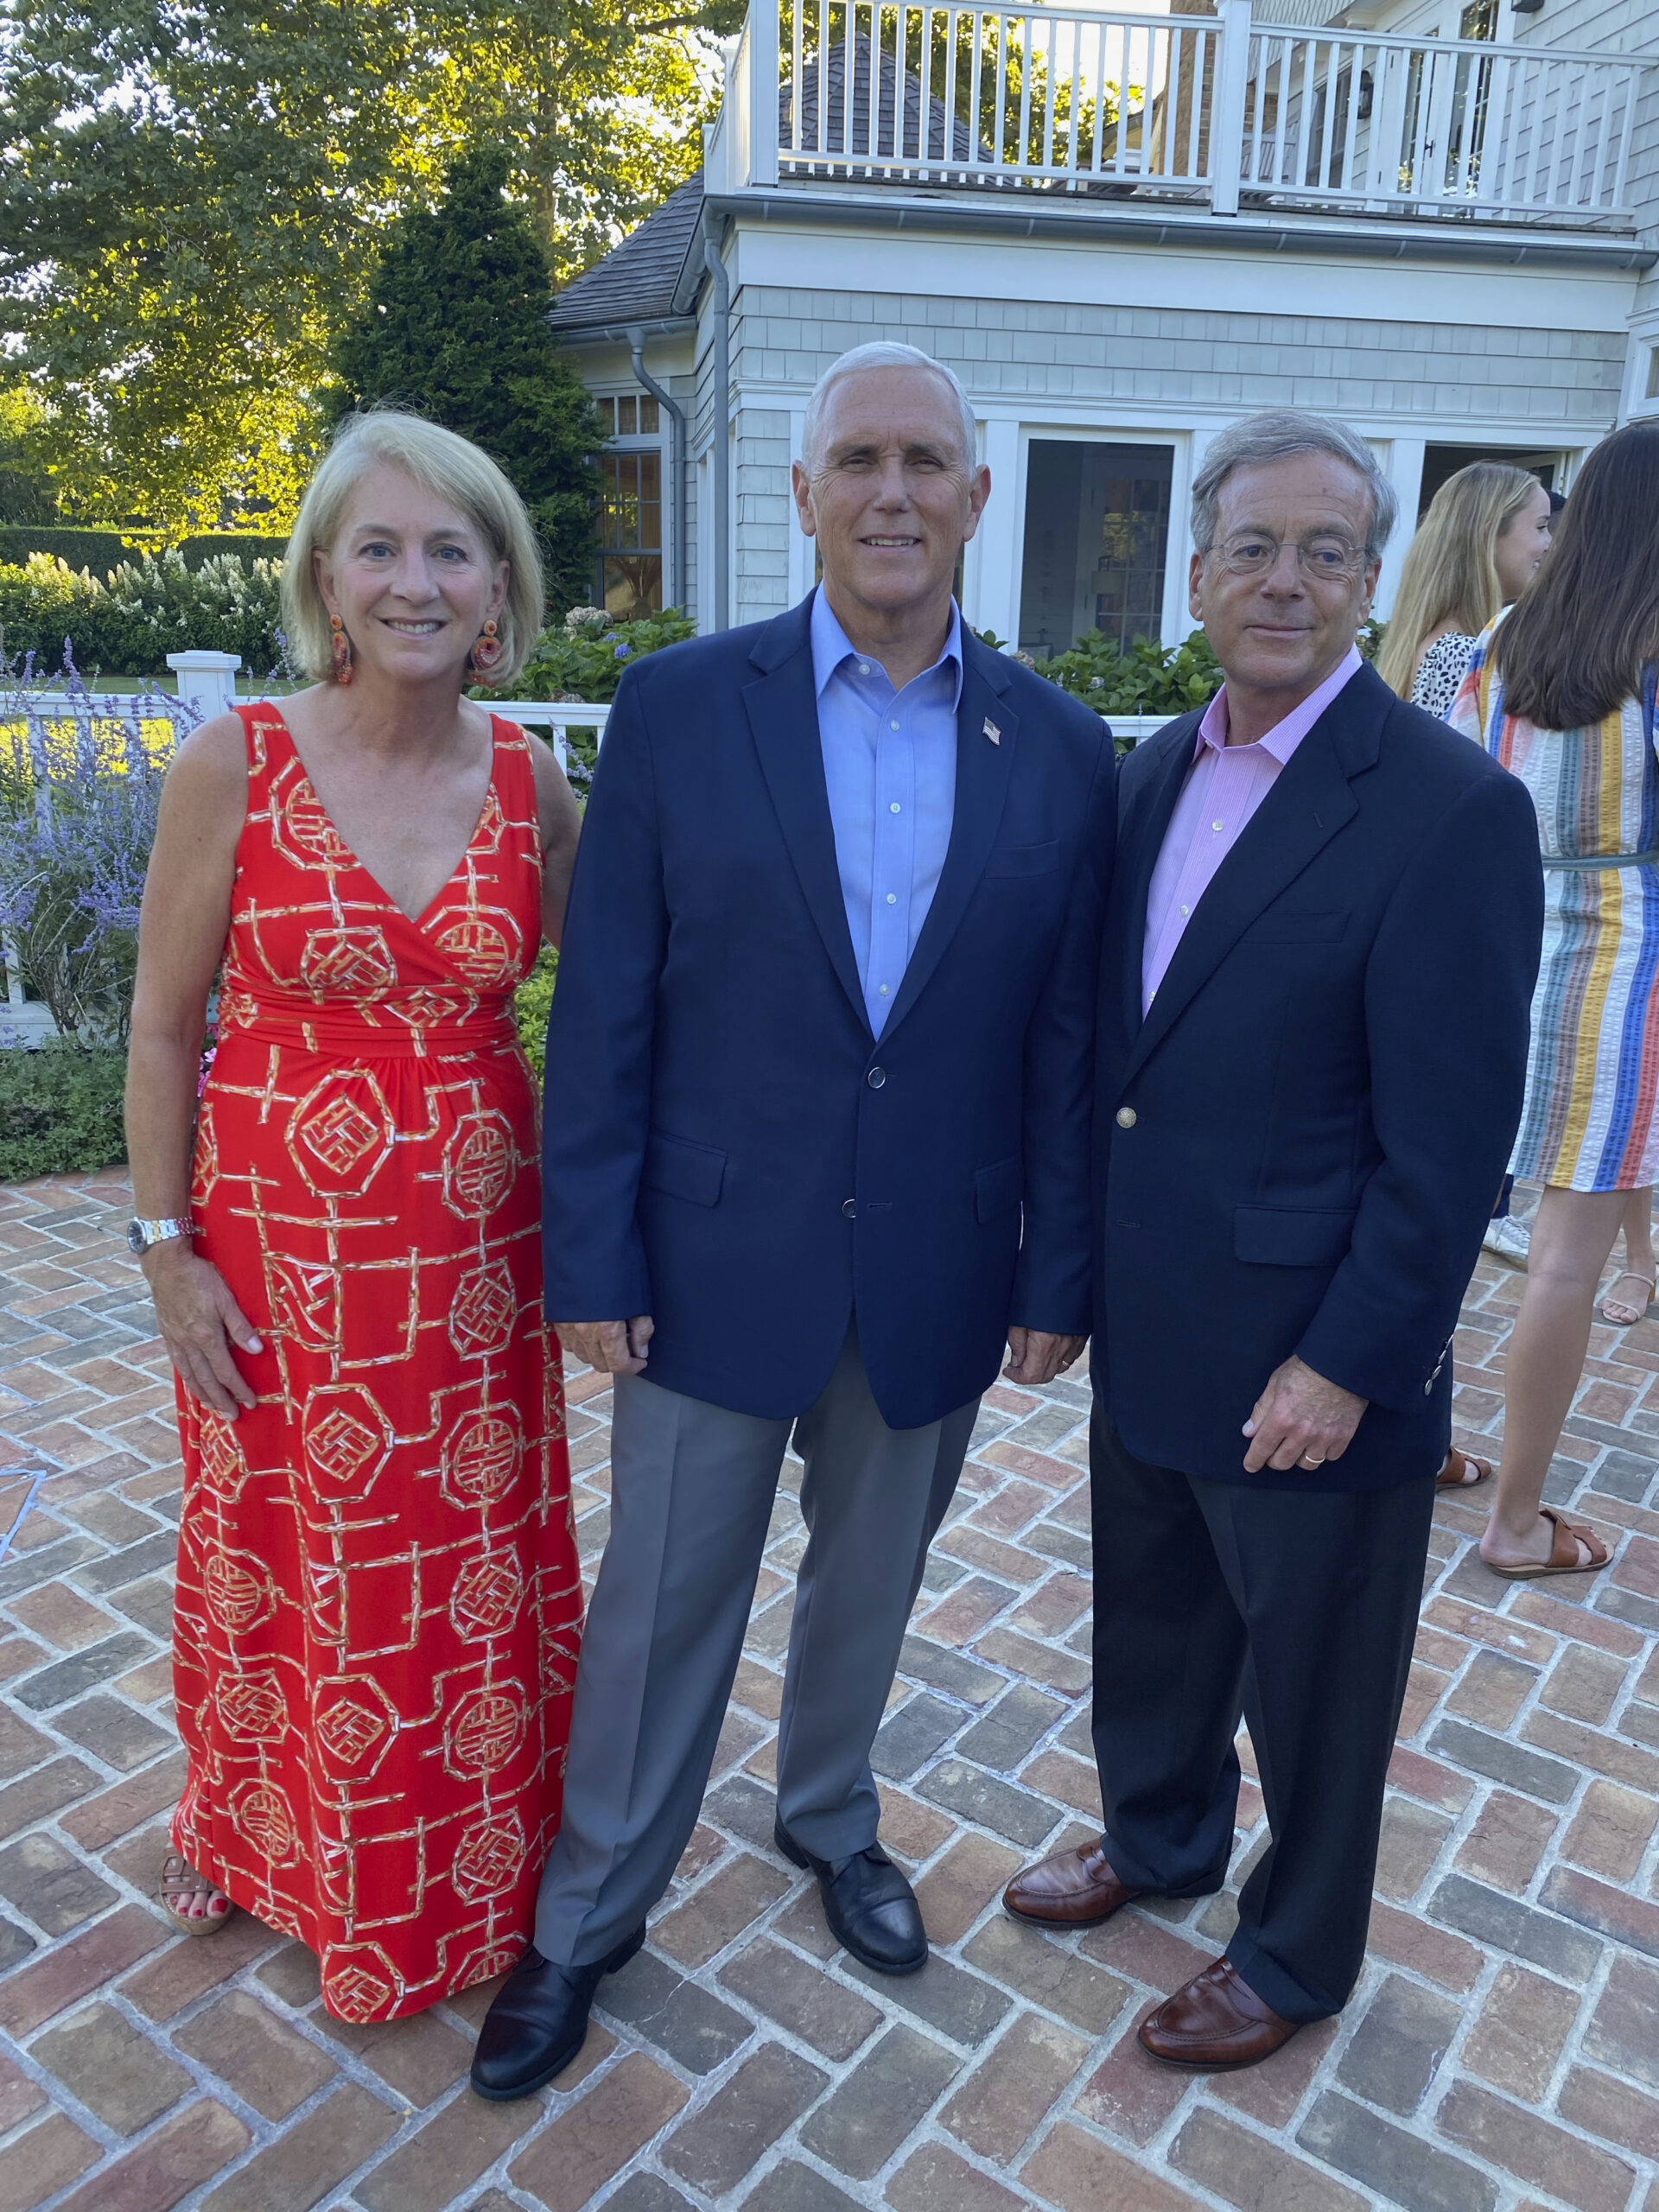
(146, 609)
(532, 1004)
(1146, 679)
(60, 1111)
(584, 656)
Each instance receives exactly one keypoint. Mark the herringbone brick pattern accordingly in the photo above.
(1501, 2055)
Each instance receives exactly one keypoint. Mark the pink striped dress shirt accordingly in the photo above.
(1223, 788)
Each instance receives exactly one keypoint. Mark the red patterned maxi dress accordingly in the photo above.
(378, 1600)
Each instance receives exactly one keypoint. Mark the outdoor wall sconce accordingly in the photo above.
(1368, 88)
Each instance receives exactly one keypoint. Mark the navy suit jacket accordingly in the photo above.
(727, 1145)
(1320, 1102)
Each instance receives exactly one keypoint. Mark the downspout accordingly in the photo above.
(722, 455)
(675, 453)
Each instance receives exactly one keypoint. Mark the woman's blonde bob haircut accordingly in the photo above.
(452, 469)
(1451, 570)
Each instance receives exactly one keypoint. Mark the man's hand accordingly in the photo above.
(1300, 1421)
(613, 1347)
(1034, 1356)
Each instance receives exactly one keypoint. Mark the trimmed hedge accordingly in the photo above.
(102, 550)
(98, 550)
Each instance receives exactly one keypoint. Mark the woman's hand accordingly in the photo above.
(199, 1320)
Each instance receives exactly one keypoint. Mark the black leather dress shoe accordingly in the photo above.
(871, 1908)
(539, 2021)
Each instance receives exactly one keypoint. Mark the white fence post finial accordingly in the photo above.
(206, 680)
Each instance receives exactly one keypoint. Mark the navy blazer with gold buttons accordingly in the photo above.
(726, 1147)
(1298, 1149)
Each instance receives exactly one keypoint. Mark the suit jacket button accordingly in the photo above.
(849, 1207)
(1126, 1117)
(876, 1077)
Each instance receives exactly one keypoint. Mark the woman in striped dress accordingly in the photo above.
(1562, 693)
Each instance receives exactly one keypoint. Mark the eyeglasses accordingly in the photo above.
(1324, 557)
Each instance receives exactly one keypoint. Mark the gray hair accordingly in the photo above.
(880, 355)
(1274, 437)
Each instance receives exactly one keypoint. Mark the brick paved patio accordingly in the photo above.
(1501, 2051)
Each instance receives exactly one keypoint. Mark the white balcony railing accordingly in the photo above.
(1217, 111)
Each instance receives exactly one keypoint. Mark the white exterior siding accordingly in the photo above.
(1535, 361)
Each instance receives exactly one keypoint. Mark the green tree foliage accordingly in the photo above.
(27, 491)
(195, 191)
(456, 327)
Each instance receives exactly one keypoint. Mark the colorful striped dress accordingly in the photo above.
(1592, 1072)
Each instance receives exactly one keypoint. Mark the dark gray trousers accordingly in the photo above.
(1299, 1609)
(692, 1487)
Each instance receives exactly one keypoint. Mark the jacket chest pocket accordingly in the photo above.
(1024, 860)
(1296, 925)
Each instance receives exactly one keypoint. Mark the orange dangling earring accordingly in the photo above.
(341, 646)
(486, 650)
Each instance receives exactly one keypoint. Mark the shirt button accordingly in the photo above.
(877, 1077)
(849, 1207)
(894, 808)
(1217, 825)
(1126, 1117)
(883, 990)
(1185, 911)
(893, 898)
(864, 670)
(891, 725)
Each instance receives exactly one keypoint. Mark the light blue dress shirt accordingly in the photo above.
(890, 764)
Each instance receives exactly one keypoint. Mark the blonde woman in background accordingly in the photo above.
(1476, 550)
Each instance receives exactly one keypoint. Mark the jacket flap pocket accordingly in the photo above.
(1291, 1236)
(996, 1189)
(684, 1170)
(1293, 926)
(1024, 860)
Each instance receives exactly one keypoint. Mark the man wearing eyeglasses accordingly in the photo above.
(1321, 944)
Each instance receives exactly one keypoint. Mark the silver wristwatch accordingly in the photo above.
(141, 1235)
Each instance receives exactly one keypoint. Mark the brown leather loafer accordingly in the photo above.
(1072, 1889)
(1217, 2021)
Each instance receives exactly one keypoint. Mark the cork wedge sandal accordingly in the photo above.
(179, 1879)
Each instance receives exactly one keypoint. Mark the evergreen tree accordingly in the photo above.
(456, 327)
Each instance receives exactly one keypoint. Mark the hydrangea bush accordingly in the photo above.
(584, 656)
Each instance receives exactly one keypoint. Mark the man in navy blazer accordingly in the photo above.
(816, 1147)
(1322, 937)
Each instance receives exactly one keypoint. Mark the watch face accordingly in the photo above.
(136, 1236)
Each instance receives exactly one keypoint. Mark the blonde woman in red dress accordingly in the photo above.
(378, 1599)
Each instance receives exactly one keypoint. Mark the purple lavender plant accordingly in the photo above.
(79, 792)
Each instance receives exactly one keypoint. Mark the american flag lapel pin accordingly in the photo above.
(992, 731)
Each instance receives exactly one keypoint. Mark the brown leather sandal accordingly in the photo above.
(179, 1879)
(1563, 1551)
(1455, 1474)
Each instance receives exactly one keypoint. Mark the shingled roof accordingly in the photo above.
(636, 280)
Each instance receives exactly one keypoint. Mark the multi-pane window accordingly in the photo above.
(630, 509)
(1097, 542)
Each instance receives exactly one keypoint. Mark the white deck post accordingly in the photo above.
(206, 680)
(1227, 117)
(763, 92)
